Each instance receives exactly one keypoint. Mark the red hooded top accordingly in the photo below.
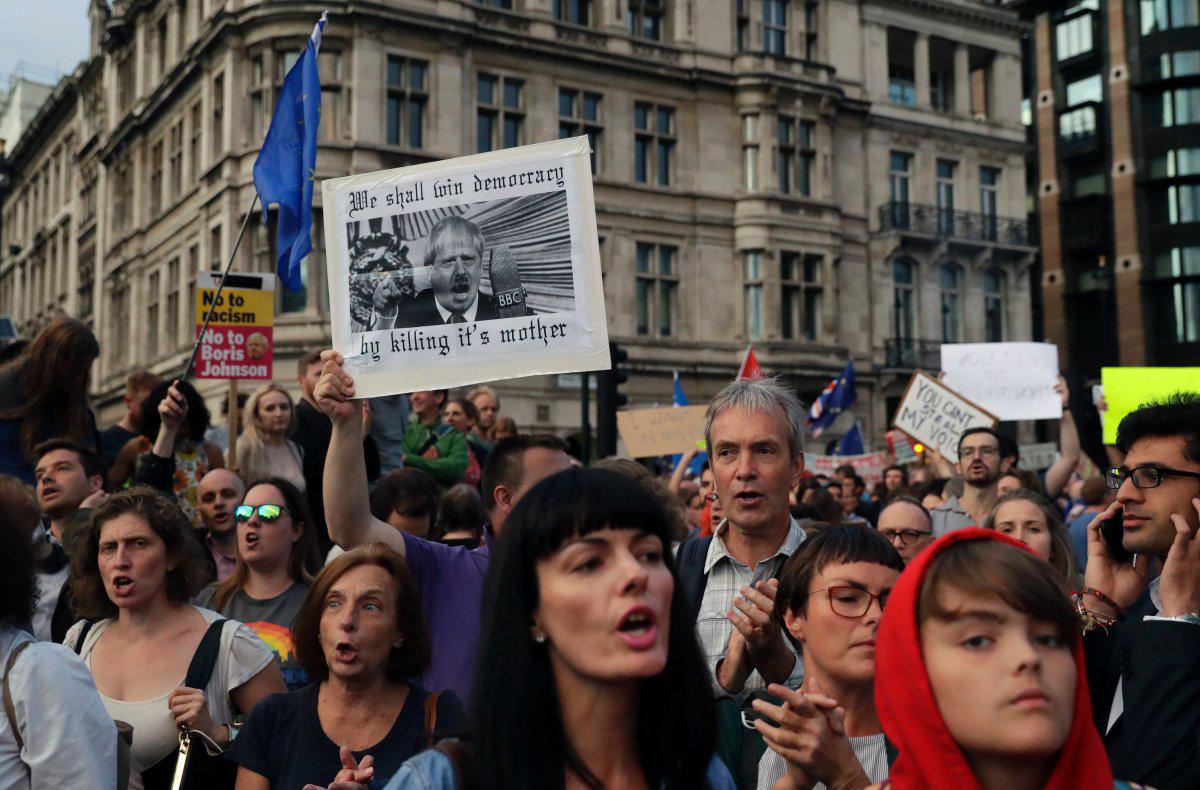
(928, 755)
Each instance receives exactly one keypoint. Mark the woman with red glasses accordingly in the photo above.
(276, 561)
(830, 602)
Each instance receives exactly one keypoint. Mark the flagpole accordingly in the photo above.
(187, 371)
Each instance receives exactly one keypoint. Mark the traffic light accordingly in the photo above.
(609, 398)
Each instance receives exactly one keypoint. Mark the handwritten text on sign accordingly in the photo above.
(1014, 381)
(651, 432)
(937, 416)
(239, 342)
(868, 466)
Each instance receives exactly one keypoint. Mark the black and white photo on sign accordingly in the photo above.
(484, 261)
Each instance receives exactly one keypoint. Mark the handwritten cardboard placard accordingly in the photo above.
(651, 432)
(1038, 456)
(1014, 381)
(1125, 389)
(936, 416)
(868, 466)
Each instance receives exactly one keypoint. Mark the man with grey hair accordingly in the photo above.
(754, 431)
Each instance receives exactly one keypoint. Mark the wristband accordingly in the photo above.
(1104, 599)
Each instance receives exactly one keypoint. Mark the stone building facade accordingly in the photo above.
(824, 179)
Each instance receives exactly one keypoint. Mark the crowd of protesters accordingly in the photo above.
(406, 592)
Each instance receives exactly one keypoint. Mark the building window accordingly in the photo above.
(1173, 64)
(406, 101)
(160, 45)
(657, 282)
(654, 143)
(900, 166)
(152, 326)
(902, 84)
(505, 4)
(800, 296)
(750, 152)
(1073, 37)
(579, 113)
(193, 271)
(949, 285)
(118, 328)
(945, 195)
(218, 117)
(1180, 162)
(1174, 205)
(989, 184)
(1077, 124)
(645, 18)
(1177, 107)
(122, 195)
(775, 26)
(1174, 284)
(754, 290)
(126, 81)
(810, 30)
(194, 147)
(903, 279)
(1169, 14)
(175, 166)
(575, 12)
(1088, 89)
(500, 115)
(993, 306)
(742, 12)
(215, 250)
(171, 337)
(260, 100)
(329, 66)
(796, 155)
(155, 168)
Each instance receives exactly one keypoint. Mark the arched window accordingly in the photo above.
(903, 277)
(950, 284)
(993, 306)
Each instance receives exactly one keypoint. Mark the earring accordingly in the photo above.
(539, 638)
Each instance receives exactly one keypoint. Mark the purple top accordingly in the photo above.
(450, 579)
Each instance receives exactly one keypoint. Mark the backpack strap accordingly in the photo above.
(689, 564)
(83, 635)
(431, 703)
(205, 659)
(9, 709)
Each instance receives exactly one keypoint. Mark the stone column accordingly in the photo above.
(962, 80)
(921, 68)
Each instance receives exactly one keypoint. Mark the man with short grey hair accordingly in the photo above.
(754, 431)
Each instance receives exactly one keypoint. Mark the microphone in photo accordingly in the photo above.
(507, 291)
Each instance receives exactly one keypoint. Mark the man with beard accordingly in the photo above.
(454, 256)
(70, 482)
(979, 467)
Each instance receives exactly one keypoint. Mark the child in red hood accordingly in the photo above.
(980, 680)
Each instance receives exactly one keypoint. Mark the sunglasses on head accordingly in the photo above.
(266, 513)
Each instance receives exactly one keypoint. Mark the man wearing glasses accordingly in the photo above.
(907, 525)
(1143, 636)
(979, 467)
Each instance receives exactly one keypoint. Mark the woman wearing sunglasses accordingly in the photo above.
(830, 601)
(276, 561)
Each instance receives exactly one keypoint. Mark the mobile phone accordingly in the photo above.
(1113, 533)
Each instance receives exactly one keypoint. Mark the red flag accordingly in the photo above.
(750, 368)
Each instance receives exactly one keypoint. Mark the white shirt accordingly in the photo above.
(70, 741)
(871, 751)
(468, 314)
(49, 587)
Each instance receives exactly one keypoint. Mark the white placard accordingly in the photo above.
(467, 270)
(1014, 381)
(1038, 456)
(936, 416)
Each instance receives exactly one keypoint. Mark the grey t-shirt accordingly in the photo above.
(271, 620)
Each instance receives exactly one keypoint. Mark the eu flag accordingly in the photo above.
(851, 442)
(833, 400)
(283, 172)
(679, 398)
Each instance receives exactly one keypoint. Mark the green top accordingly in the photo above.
(451, 462)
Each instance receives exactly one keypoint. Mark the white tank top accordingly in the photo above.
(155, 733)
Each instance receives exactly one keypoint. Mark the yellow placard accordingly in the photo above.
(237, 307)
(1125, 389)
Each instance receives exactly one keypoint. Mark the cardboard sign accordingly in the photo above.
(239, 342)
(667, 431)
(901, 447)
(466, 270)
(868, 466)
(1038, 456)
(937, 416)
(1014, 381)
(1126, 389)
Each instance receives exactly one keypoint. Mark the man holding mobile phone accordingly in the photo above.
(1143, 636)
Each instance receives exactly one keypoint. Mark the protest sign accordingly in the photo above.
(1125, 389)
(937, 416)
(901, 447)
(1014, 381)
(667, 431)
(239, 342)
(868, 466)
(1038, 456)
(466, 270)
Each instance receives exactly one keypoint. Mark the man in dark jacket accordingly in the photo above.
(1144, 671)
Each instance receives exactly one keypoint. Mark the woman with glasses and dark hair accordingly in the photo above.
(589, 673)
(829, 602)
(276, 560)
(133, 575)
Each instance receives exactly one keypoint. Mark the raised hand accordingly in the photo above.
(751, 616)
(172, 410)
(334, 392)
(1179, 587)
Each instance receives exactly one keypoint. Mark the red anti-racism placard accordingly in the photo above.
(239, 342)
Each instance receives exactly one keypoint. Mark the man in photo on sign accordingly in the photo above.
(454, 257)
